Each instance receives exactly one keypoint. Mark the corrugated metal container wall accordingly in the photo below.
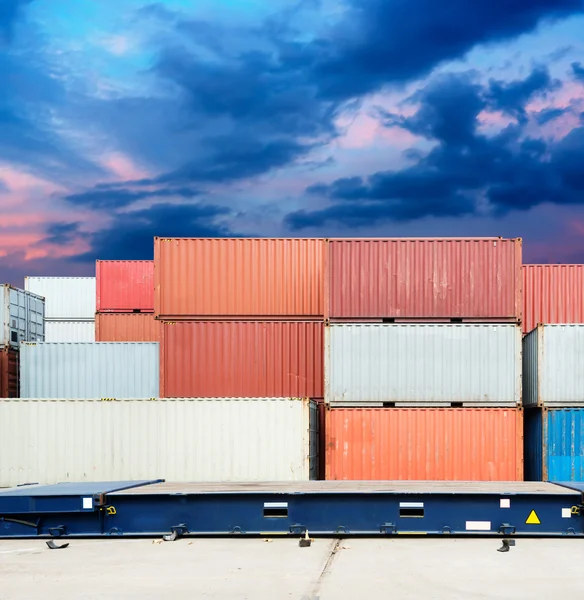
(477, 365)
(241, 359)
(119, 327)
(9, 379)
(125, 285)
(552, 294)
(475, 279)
(22, 316)
(70, 331)
(554, 444)
(180, 440)
(238, 278)
(553, 356)
(458, 444)
(97, 370)
(65, 297)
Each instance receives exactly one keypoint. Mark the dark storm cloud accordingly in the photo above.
(549, 114)
(509, 170)
(110, 197)
(271, 97)
(130, 235)
(578, 71)
(511, 98)
(61, 233)
(383, 41)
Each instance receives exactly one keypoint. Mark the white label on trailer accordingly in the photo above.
(505, 503)
(478, 526)
(87, 503)
(275, 504)
(566, 513)
(411, 505)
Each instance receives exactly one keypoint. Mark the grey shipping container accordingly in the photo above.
(69, 331)
(423, 365)
(192, 439)
(553, 359)
(22, 316)
(66, 298)
(89, 370)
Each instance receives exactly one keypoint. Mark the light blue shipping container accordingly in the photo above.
(89, 370)
(554, 444)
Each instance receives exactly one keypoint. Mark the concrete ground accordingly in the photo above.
(351, 569)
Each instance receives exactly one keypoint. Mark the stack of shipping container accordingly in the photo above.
(125, 301)
(553, 374)
(294, 359)
(423, 359)
(242, 338)
(22, 316)
(69, 307)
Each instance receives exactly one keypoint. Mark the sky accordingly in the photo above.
(124, 120)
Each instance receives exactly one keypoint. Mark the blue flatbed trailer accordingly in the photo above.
(321, 508)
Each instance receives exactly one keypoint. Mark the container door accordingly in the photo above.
(36, 319)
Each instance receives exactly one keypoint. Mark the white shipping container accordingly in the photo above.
(227, 439)
(89, 370)
(553, 373)
(22, 316)
(65, 297)
(70, 331)
(423, 365)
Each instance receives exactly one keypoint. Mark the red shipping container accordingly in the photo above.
(122, 327)
(234, 359)
(9, 373)
(124, 285)
(552, 294)
(440, 444)
(424, 279)
(238, 278)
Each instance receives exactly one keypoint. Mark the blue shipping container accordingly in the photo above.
(554, 444)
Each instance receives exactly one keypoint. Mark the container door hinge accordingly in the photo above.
(388, 528)
(507, 529)
(175, 532)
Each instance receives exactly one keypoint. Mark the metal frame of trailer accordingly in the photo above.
(319, 508)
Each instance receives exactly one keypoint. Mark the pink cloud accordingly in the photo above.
(123, 167)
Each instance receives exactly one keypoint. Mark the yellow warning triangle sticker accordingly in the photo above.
(533, 519)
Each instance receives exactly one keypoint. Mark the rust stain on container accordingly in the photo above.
(238, 278)
(250, 359)
(552, 294)
(474, 279)
(9, 373)
(442, 444)
(124, 285)
(119, 327)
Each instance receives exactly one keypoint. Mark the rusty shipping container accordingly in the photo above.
(124, 285)
(238, 278)
(552, 294)
(424, 279)
(443, 444)
(9, 373)
(126, 327)
(244, 359)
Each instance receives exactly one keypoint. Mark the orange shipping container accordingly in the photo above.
(443, 444)
(238, 278)
(468, 279)
(235, 359)
(119, 327)
(552, 294)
